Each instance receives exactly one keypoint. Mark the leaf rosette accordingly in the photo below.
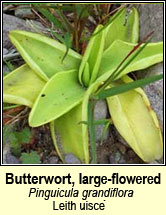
(58, 92)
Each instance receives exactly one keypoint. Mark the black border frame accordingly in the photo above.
(98, 165)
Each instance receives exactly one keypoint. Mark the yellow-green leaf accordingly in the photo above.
(61, 93)
(122, 29)
(86, 75)
(22, 86)
(57, 145)
(69, 135)
(137, 123)
(44, 55)
(150, 55)
(92, 56)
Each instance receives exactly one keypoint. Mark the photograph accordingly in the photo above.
(83, 83)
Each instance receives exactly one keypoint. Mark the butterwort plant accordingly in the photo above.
(63, 92)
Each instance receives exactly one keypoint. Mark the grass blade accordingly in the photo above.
(45, 12)
(10, 107)
(129, 86)
(64, 20)
(97, 122)
(104, 131)
(68, 43)
(92, 129)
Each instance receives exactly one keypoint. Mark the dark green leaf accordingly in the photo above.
(104, 131)
(9, 136)
(64, 20)
(15, 145)
(50, 17)
(30, 158)
(68, 43)
(16, 138)
(97, 122)
(7, 130)
(24, 136)
(78, 9)
(83, 13)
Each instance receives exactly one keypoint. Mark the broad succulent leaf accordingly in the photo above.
(150, 55)
(44, 55)
(60, 94)
(122, 28)
(63, 126)
(91, 60)
(137, 123)
(22, 86)
(68, 135)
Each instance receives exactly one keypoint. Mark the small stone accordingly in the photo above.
(151, 18)
(53, 160)
(23, 12)
(155, 95)
(112, 159)
(11, 23)
(14, 23)
(117, 156)
(100, 112)
(71, 159)
(122, 160)
(6, 150)
(10, 159)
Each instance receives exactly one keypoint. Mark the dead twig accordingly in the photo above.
(112, 12)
